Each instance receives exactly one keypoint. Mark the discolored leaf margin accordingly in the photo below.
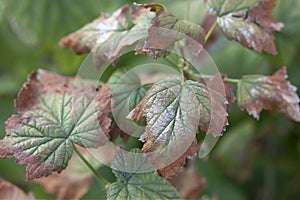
(10, 191)
(166, 30)
(174, 110)
(43, 133)
(258, 92)
(173, 169)
(108, 35)
(249, 22)
(73, 182)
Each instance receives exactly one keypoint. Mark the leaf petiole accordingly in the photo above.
(96, 174)
(210, 31)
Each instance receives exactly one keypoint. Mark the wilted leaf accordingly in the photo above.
(249, 22)
(138, 185)
(258, 92)
(73, 182)
(107, 35)
(189, 184)
(12, 192)
(43, 133)
(165, 30)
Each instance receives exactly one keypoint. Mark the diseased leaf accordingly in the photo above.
(166, 30)
(172, 169)
(50, 121)
(12, 192)
(73, 182)
(138, 185)
(249, 22)
(107, 35)
(189, 184)
(223, 88)
(258, 92)
(174, 110)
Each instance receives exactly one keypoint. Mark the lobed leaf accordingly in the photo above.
(258, 92)
(249, 22)
(50, 121)
(138, 185)
(174, 110)
(108, 35)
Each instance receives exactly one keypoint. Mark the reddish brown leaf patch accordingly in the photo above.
(257, 92)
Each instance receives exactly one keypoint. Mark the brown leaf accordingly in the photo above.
(250, 23)
(8, 191)
(189, 184)
(172, 169)
(72, 183)
(80, 43)
(258, 92)
(108, 35)
(104, 106)
(165, 31)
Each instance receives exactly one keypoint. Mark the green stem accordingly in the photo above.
(97, 175)
(231, 80)
(212, 28)
(198, 76)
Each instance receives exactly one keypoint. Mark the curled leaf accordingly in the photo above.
(43, 133)
(165, 31)
(258, 92)
(249, 22)
(108, 35)
(12, 192)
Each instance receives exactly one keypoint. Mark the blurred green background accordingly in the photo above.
(253, 160)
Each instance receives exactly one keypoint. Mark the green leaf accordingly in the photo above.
(258, 92)
(224, 7)
(138, 185)
(44, 22)
(108, 35)
(249, 22)
(44, 133)
(174, 110)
